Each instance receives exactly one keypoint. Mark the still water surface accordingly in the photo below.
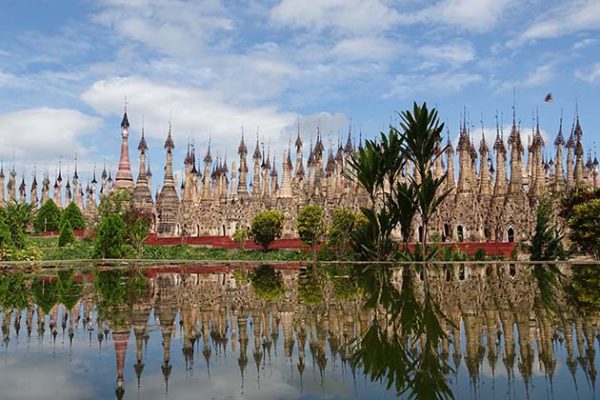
(494, 331)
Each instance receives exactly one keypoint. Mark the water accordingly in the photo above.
(489, 331)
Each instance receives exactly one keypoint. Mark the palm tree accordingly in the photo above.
(18, 217)
(422, 132)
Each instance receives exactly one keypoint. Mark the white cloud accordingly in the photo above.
(583, 43)
(365, 48)
(564, 19)
(199, 114)
(590, 75)
(341, 16)
(540, 76)
(41, 135)
(454, 53)
(468, 15)
(174, 27)
(405, 86)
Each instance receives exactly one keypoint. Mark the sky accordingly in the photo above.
(215, 67)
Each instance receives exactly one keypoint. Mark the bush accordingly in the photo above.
(311, 226)
(47, 218)
(585, 227)
(239, 237)
(110, 237)
(66, 234)
(6, 242)
(73, 215)
(266, 227)
(344, 223)
(18, 217)
(479, 254)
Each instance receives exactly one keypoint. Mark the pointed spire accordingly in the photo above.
(208, 156)
(242, 149)
(298, 143)
(560, 141)
(169, 144)
(256, 154)
(143, 146)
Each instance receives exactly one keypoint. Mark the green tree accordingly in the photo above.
(339, 235)
(18, 217)
(136, 235)
(311, 227)
(585, 227)
(239, 237)
(422, 135)
(117, 202)
(75, 217)
(546, 241)
(267, 226)
(47, 218)
(6, 242)
(110, 237)
(66, 236)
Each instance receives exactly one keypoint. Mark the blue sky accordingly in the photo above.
(213, 66)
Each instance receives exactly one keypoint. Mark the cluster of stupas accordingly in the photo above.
(490, 200)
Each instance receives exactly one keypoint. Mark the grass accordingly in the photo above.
(84, 249)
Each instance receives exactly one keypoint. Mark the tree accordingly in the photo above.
(339, 235)
(47, 218)
(6, 242)
(18, 216)
(311, 227)
(110, 237)
(266, 227)
(136, 235)
(546, 242)
(422, 135)
(73, 215)
(239, 237)
(66, 236)
(585, 227)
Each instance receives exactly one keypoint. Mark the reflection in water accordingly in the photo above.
(441, 331)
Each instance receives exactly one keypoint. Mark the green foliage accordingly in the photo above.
(267, 284)
(47, 218)
(377, 166)
(66, 236)
(546, 243)
(136, 235)
(117, 202)
(585, 227)
(344, 223)
(479, 254)
(310, 291)
(266, 227)
(14, 293)
(45, 293)
(574, 198)
(311, 225)
(110, 237)
(583, 290)
(6, 242)
(73, 215)
(239, 237)
(18, 216)
(68, 290)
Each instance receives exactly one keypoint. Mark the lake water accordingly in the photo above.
(488, 331)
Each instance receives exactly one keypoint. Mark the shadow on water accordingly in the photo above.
(415, 331)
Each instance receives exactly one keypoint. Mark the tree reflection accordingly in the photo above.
(402, 346)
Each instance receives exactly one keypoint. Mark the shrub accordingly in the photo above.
(339, 235)
(266, 227)
(6, 242)
(311, 226)
(47, 218)
(66, 236)
(73, 215)
(479, 254)
(110, 237)
(239, 237)
(585, 227)
(18, 216)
